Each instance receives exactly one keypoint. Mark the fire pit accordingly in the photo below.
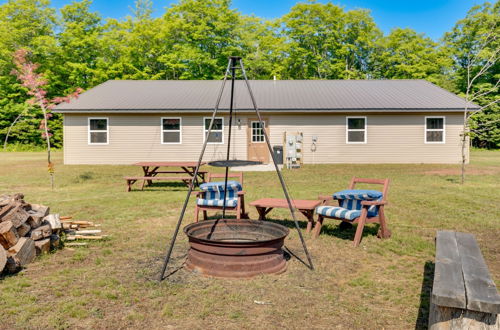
(233, 248)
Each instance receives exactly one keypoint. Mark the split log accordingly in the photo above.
(4, 210)
(41, 232)
(55, 240)
(8, 234)
(23, 229)
(53, 220)
(42, 246)
(17, 216)
(21, 254)
(65, 218)
(38, 208)
(35, 219)
(3, 259)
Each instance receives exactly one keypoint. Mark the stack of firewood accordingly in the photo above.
(26, 230)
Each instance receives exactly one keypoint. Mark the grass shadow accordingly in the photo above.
(333, 228)
(425, 296)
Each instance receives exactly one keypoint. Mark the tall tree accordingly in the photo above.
(405, 54)
(474, 46)
(25, 24)
(205, 33)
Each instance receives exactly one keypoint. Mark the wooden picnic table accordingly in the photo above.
(152, 169)
(304, 206)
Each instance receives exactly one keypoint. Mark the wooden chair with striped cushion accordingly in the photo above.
(356, 206)
(211, 196)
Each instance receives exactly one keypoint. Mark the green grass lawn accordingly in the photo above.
(110, 284)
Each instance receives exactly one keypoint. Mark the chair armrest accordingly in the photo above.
(241, 192)
(370, 203)
(325, 197)
(197, 193)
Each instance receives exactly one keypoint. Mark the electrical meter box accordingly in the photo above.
(293, 149)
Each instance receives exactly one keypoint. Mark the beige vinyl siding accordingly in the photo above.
(134, 138)
(391, 138)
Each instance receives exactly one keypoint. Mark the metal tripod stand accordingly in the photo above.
(234, 63)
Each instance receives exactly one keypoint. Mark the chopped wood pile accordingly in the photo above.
(28, 230)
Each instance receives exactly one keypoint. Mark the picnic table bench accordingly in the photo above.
(463, 295)
(306, 207)
(152, 169)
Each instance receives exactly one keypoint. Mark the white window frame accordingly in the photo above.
(435, 130)
(206, 130)
(347, 130)
(251, 131)
(179, 130)
(96, 131)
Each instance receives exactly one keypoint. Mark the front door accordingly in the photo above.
(257, 146)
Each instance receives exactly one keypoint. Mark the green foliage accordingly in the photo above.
(75, 47)
(473, 43)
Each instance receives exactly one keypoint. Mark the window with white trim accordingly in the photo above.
(355, 129)
(434, 130)
(98, 131)
(257, 132)
(171, 130)
(217, 132)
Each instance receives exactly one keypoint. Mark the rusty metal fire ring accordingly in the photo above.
(231, 248)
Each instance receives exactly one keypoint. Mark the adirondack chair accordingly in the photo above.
(356, 207)
(211, 196)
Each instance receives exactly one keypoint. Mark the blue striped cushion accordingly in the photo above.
(230, 202)
(351, 199)
(358, 194)
(219, 186)
(338, 212)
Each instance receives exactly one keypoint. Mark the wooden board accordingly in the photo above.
(448, 288)
(482, 295)
(8, 234)
(446, 318)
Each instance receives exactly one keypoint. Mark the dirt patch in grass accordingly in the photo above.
(468, 171)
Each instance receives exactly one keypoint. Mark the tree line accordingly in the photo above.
(76, 48)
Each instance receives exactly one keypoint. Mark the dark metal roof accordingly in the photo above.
(279, 95)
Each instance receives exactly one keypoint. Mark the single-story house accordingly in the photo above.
(342, 121)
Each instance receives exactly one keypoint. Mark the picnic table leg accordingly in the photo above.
(262, 213)
(309, 214)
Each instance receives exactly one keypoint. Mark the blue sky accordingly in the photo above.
(432, 17)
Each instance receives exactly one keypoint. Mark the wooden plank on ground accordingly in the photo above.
(482, 295)
(448, 289)
(8, 234)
